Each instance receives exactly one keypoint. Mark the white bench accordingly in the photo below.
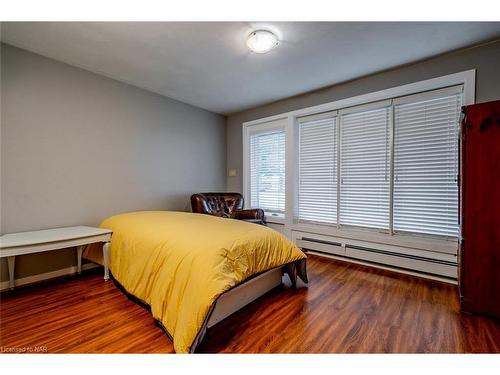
(23, 243)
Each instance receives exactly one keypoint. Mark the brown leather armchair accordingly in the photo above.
(225, 205)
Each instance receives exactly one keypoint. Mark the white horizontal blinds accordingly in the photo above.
(267, 170)
(426, 162)
(317, 177)
(365, 166)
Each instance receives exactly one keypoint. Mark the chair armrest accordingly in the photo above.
(252, 214)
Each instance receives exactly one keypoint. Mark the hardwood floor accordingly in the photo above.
(347, 308)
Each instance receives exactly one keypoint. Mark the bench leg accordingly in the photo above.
(11, 262)
(79, 251)
(105, 255)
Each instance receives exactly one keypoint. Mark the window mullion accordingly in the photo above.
(339, 146)
(391, 169)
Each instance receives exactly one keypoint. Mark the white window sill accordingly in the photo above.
(275, 218)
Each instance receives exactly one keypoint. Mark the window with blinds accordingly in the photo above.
(317, 177)
(390, 165)
(267, 170)
(426, 162)
(365, 166)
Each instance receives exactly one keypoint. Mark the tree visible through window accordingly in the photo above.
(267, 171)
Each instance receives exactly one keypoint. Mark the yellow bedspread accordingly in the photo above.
(179, 263)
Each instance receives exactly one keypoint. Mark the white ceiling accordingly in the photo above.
(208, 65)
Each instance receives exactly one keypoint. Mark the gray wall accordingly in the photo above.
(77, 147)
(485, 58)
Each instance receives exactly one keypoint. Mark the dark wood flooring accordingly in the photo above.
(347, 308)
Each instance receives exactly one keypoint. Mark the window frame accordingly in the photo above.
(290, 120)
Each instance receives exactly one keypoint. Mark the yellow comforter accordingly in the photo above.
(179, 263)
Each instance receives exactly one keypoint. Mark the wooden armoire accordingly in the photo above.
(479, 263)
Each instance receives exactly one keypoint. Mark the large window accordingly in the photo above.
(267, 169)
(390, 165)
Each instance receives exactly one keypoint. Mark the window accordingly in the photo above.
(267, 170)
(365, 169)
(317, 181)
(390, 165)
(426, 162)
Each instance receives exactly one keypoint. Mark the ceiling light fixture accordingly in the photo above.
(262, 41)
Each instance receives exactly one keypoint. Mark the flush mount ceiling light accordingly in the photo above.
(262, 41)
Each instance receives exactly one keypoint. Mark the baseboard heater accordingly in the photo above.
(409, 262)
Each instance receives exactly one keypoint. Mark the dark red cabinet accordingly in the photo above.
(479, 263)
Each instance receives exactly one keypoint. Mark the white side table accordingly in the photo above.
(22, 243)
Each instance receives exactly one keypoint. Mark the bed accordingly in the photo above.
(193, 270)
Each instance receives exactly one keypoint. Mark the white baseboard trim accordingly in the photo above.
(384, 267)
(4, 285)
